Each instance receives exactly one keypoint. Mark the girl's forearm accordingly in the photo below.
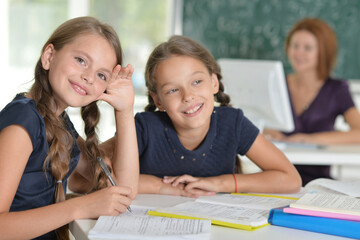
(125, 160)
(32, 223)
(149, 184)
(270, 181)
(336, 137)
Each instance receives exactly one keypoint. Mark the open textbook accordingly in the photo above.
(328, 202)
(242, 211)
(139, 225)
(350, 187)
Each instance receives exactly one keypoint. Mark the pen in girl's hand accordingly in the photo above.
(108, 174)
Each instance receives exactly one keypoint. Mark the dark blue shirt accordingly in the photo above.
(37, 187)
(162, 154)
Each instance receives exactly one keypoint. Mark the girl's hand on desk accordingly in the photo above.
(194, 185)
(168, 189)
(110, 201)
(273, 135)
(300, 137)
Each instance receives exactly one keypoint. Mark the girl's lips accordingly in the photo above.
(194, 110)
(80, 90)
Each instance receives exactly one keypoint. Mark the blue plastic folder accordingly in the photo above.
(344, 228)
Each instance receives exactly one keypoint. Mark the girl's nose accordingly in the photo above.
(86, 76)
(188, 96)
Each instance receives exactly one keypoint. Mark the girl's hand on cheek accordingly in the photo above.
(120, 91)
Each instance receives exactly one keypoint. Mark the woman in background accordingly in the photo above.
(317, 99)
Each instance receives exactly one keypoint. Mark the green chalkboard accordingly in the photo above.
(256, 29)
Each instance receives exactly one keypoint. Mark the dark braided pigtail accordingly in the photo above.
(221, 97)
(151, 107)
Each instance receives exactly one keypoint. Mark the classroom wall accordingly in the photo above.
(256, 29)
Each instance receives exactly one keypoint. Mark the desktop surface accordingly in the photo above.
(327, 155)
(80, 228)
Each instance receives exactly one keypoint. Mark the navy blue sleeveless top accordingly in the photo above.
(162, 154)
(36, 188)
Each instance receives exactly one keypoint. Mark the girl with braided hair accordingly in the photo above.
(187, 145)
(40, 148)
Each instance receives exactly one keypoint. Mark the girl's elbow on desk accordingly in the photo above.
(292, 182)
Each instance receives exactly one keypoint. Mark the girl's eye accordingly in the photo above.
(172, 91)
(102, 76)
(80, 60)
(295, 46)
(308, 48)
(197, 82)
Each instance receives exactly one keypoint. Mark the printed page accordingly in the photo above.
(351, 188)
(329, 202)
(138, 210)
(128, 226)
(247, 201)
(230, 214)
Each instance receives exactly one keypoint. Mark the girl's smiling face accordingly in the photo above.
(185, 89)
(79, 72)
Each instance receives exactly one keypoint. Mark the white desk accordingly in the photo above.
(80, 228)
(337, 156)
(330, 155)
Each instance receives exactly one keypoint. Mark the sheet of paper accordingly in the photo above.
(238, 215)
(248, 201)
(333, 202)
(139, 210)
(351, 188)
(127, 226)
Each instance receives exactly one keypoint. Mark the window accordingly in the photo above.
(27, 24)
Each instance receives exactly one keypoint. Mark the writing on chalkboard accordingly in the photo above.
(257, 29)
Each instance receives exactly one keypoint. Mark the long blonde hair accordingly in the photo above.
(59, 139)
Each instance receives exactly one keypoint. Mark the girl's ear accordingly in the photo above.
(47, 56)
(157, 101)
(215, 83)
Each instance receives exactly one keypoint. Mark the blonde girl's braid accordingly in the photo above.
(91, 116)
(59, 139)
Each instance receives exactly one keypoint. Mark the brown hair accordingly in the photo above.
(181, 46)
(59, 139)
(327, 43)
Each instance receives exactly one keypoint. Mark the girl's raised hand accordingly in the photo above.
(120, 91)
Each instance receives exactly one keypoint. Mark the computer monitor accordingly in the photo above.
(259, 88)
